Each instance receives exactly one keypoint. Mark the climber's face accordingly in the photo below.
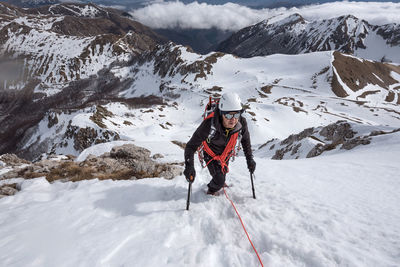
(230, 119)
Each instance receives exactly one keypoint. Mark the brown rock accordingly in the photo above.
(8, 189)
(13, 160)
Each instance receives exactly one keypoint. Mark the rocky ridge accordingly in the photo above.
(167, 60)
(295, 35)
(315, 141)
(48, 47)
(32, 3)
(126, 162)
(58, 58)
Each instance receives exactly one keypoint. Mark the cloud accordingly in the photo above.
(197, 15)
(231, 16)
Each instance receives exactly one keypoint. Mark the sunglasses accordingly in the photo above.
(230, 116)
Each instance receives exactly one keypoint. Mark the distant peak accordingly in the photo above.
(295, 16)
(348, 17)
(292, 19)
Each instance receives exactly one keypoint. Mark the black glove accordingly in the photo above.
(189, 172)
(251, 165)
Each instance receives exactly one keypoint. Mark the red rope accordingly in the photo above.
(244, 228)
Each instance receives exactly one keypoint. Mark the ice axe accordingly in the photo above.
(189, 191)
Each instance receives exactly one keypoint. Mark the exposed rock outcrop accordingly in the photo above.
(313, 142)
(356, 74)
(13, 160)
(122, 163)
(8, 189)
(167, 61)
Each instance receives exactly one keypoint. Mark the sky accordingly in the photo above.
(231, 16)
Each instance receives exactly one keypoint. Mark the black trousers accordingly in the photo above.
(218, 178)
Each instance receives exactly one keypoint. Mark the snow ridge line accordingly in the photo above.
(244, 228)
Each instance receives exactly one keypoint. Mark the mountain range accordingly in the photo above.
(60, 43)
(140, 3)
(65, 66)
(45, 50)
(295, 35)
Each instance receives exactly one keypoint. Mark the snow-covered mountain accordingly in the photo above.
(155, 95)
(34, 3)
(48, 47)
(295, 35)
(46, 50)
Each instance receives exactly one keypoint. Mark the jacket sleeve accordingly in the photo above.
(198, 137)
(246, 143)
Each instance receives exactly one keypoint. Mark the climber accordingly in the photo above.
(219, 136)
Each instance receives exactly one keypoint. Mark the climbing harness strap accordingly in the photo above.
(228, 152)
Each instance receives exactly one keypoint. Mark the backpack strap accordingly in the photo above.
(240, 133)
(213, 129)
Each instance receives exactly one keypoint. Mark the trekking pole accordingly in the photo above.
(252, 185)
(189, 191)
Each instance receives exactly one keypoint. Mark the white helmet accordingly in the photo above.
(230, 102)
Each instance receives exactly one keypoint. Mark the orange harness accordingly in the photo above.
(228, 152)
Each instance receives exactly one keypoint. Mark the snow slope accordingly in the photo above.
(336, 210)
(284, 94)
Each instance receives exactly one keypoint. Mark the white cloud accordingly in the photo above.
(234, 17)
(198, 15)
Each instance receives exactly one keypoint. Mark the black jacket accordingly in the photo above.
(220, 139)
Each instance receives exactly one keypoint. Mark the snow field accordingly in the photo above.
(336, 210)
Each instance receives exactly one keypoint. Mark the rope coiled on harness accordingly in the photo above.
(228, 152)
